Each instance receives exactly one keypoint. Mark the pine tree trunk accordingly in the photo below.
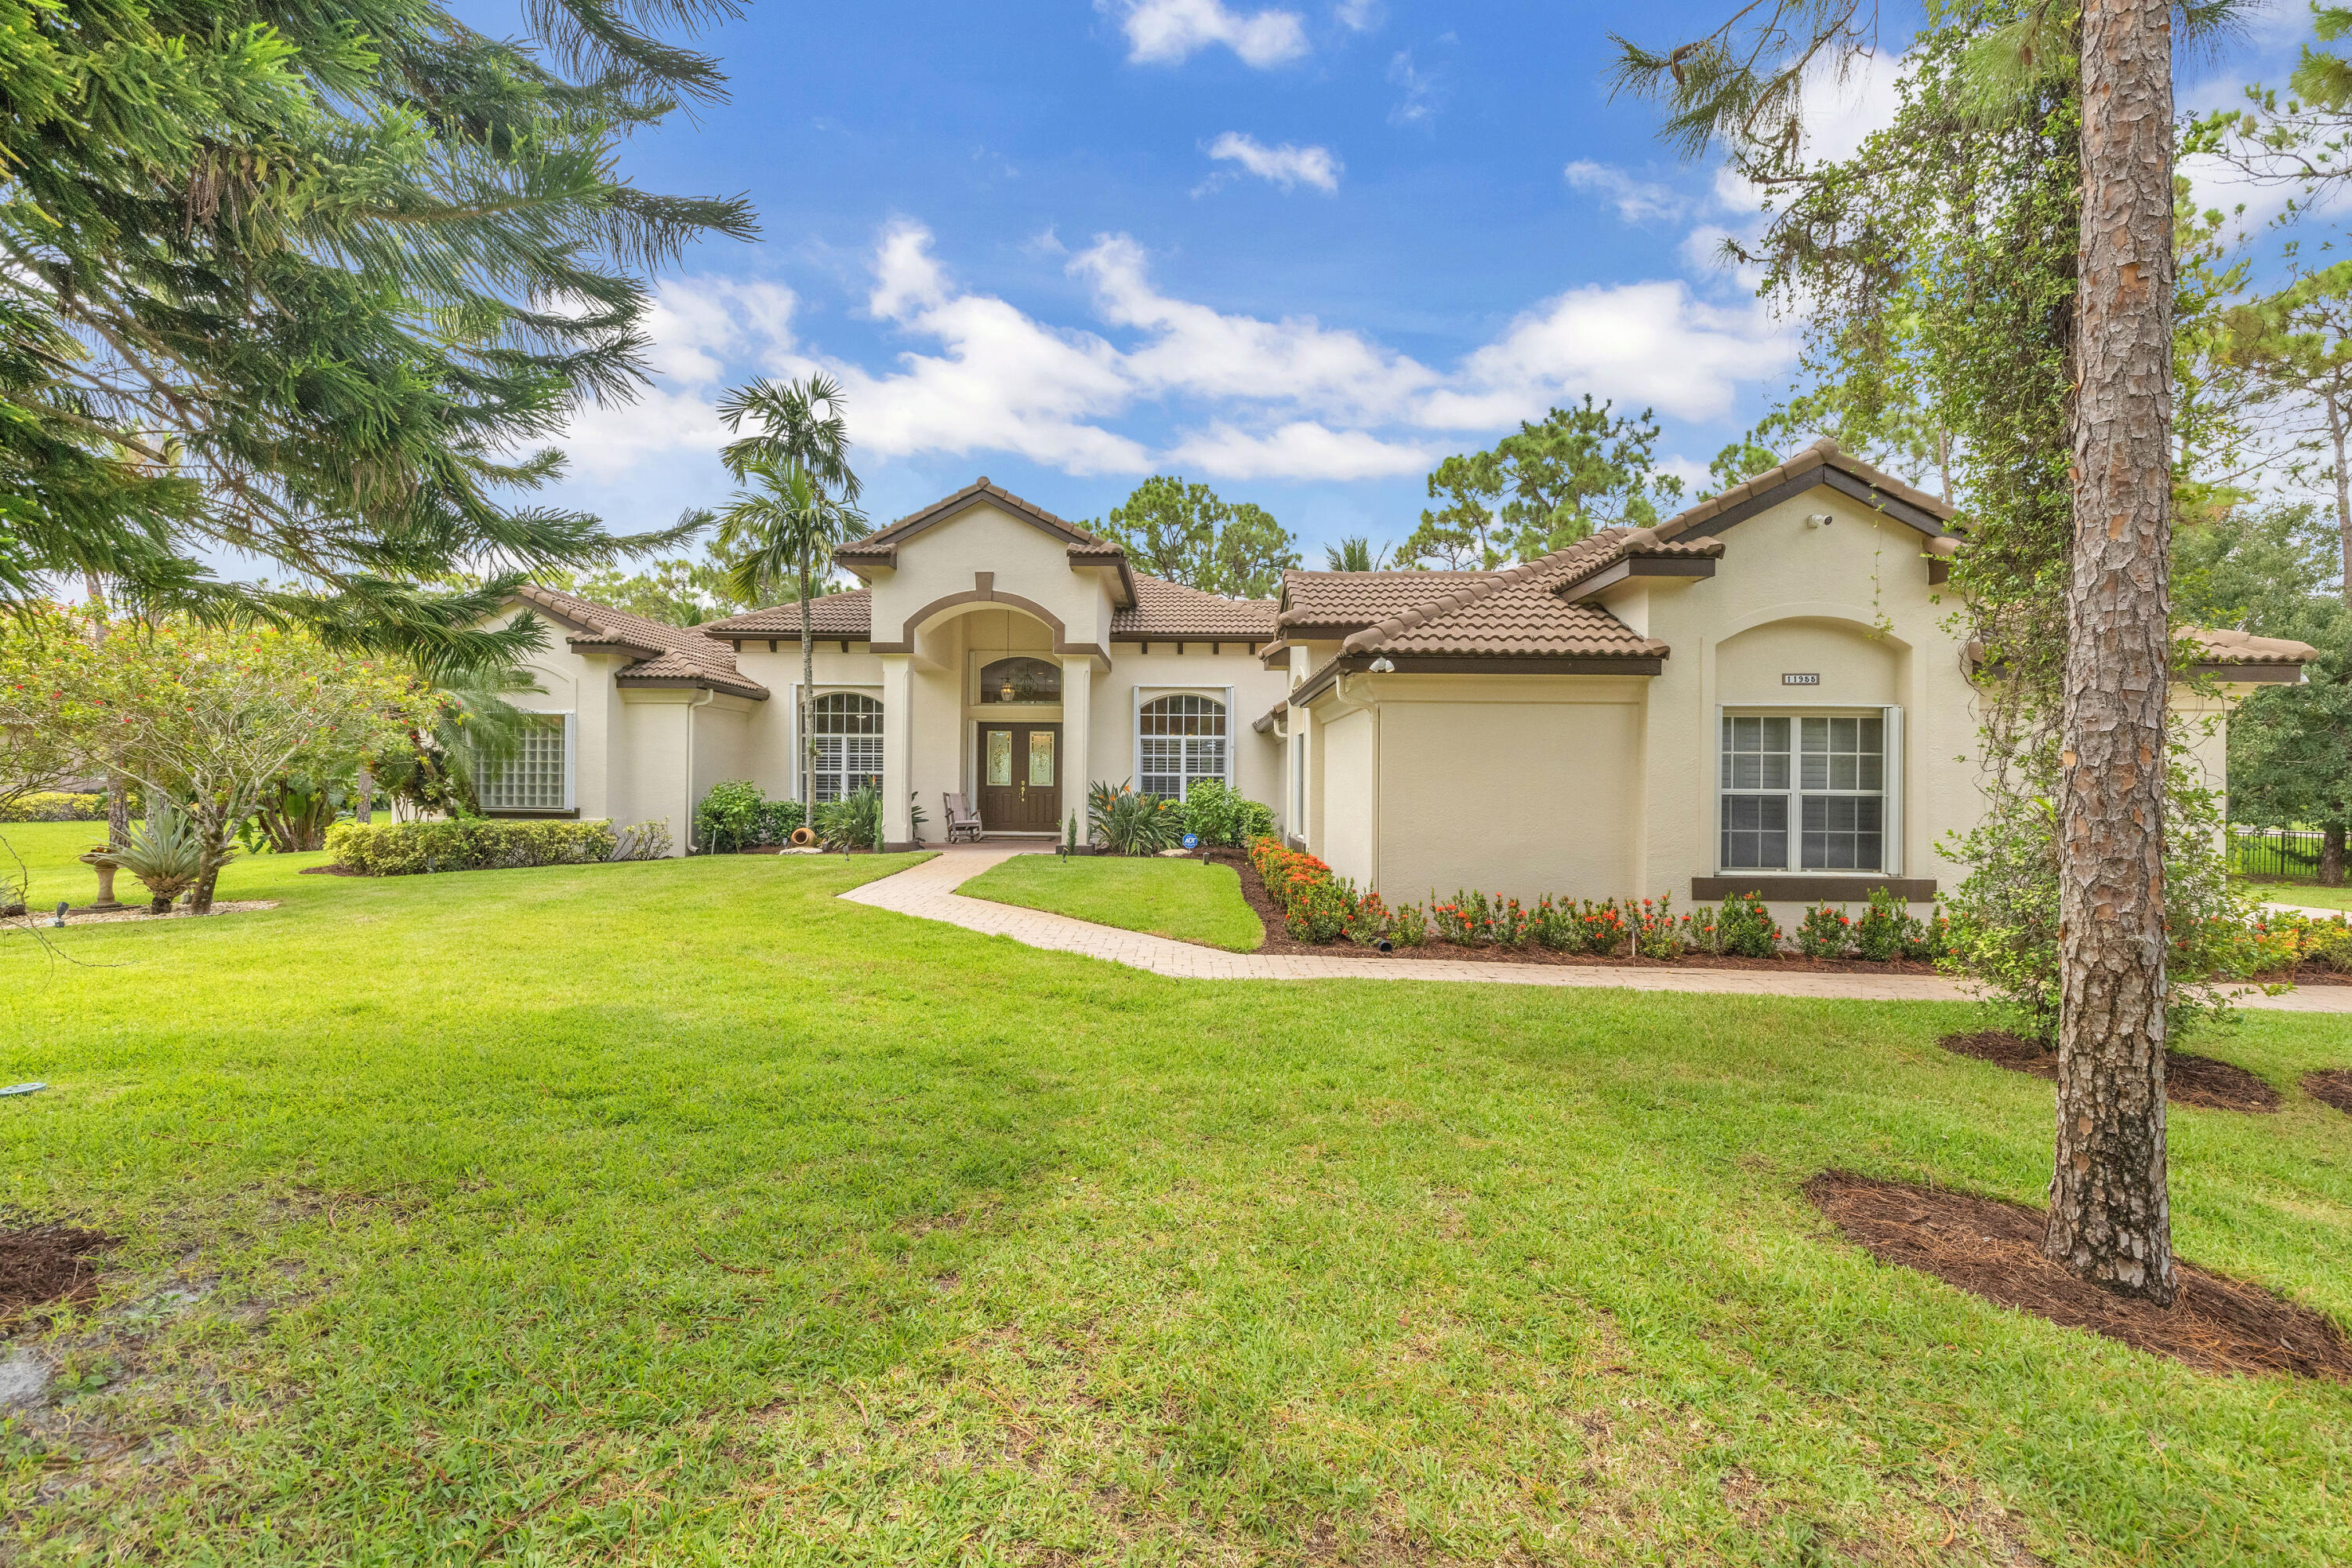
(2331, 856)
(2337, 417)
(2110, 1219)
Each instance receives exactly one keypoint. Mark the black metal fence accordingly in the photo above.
(2291, 852)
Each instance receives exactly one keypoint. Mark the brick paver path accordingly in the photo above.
(927, 892)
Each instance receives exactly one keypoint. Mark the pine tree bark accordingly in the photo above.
(2331, 856)
(2110, 1218)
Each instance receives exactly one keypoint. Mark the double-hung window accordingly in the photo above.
(1801, 791)
(1183, 739)
(847, 731)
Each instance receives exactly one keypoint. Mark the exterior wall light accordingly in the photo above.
(1383, 665)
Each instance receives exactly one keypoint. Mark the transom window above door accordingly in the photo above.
(1820, 780)
(1021, 680)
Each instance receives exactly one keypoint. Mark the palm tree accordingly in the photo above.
(799, 506)
(1357, 555)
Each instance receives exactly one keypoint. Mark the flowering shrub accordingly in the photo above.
(1508, 922)
(1601, 927)
(1746, 928)
(49, 805)
(1369, 921)
(1929, 941)
(1321, 910)
(1465, 922)
(1412, 927)
(1825, 933)
(2279, 939)
(1658, 930)
(1284, 872)
(1553, 924)
(1878, 935)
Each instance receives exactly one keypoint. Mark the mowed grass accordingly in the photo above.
(1188, 899)
(682, 1213)
(2308, 895)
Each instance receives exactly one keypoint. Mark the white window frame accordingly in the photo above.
(1136, 703)
(570, 721)
(1891, 786)
(793, 739)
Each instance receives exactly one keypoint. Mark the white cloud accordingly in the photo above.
(1246, 397)
(1426, 91)
(1302, 449)
(1640, 344)
(1359, 15)
(1197, 351)
(1286, 166)
(1170, 32)
(1636, 201)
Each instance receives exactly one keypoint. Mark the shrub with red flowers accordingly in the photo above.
(1369, 921)
(1321, 908)
(1287, 873)
(1412, 926)
(1825, 933)
(1744, 928)
(1603, 927)
(1658, 932)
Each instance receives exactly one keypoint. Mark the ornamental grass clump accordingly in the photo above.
(1825, 933)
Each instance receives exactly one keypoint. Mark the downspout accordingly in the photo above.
(1371, 704)
(709, 694)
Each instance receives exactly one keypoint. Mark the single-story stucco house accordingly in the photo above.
(1768, 692)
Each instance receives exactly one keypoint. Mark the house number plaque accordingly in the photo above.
(1800, 680)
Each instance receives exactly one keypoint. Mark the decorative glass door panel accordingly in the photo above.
(1021, 778)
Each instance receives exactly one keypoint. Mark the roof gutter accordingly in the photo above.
(1324, 679)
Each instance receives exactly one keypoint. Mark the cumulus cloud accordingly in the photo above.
(1644, 343)
(1636, 201)
(1196, 352)
(1247, 397)
(1286, 166)
(1170, 32)
(1359, 15)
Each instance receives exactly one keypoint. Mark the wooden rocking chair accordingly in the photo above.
(963, 823)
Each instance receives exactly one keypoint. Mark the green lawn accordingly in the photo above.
(1187, 899)
(2309, 895)
(680, 1213)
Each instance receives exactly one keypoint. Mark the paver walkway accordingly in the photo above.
(927, 892)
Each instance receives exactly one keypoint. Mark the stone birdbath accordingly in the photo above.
(102, 859)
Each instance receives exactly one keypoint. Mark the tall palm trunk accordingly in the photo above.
(808, 700)
(2110, 1218)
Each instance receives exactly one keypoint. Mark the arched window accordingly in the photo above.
(847, 729)
(1021, 680)
(1183, 739)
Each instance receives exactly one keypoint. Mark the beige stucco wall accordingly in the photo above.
(945, 559)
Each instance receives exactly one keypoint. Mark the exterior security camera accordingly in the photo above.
(1819, 520)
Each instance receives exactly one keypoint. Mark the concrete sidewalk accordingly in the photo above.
(927, 892)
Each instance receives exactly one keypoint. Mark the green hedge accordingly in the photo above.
(467, 844)
(48, 805)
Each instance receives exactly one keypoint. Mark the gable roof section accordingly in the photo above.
(849, 614)
(665, 654)
(1823, 463)
(1165, 611)
(1082, 548)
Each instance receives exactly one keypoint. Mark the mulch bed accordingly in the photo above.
(2188, 1080)
(1993, 1250)
(42, 1263)
(1279, 940)
(2331, 1087)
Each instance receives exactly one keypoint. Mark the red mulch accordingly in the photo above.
(1279, 940)
(41, 1263)
(2331, 1087)
(1993, 1250)
(2188, 1080)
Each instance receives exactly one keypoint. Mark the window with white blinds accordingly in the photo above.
(848, 731)
(1182, 739)
(538, 777)
(1803, 791)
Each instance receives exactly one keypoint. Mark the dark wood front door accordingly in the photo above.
(1021, 777)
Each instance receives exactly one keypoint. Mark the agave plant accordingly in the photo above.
(165, 852)
(1127, 822)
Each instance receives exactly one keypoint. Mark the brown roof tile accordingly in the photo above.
(848, 614)
(883, 543)
(2226, 644)
(1823, 453)
(1171, 610)
(665, 653)
(1349, 600)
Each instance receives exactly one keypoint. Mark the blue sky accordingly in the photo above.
(1297, 251)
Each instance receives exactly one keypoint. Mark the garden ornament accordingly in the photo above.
(102, 861)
